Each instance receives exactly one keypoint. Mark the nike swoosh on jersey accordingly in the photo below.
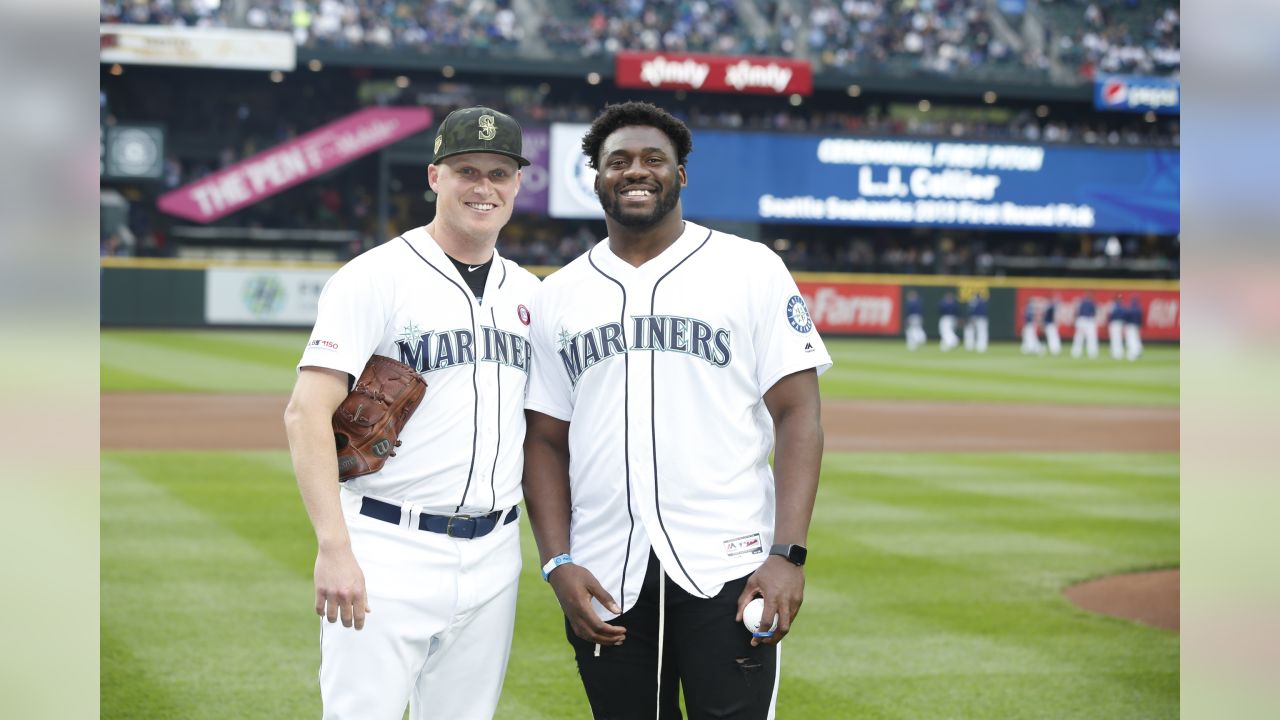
(472, 269)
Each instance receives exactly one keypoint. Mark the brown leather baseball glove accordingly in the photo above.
(368, 423)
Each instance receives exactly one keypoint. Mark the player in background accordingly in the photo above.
(1115, 327)
(1052, 339)
(1030, 337)
(915, 321)
(672, 360)
(1086, 337)
(978, 319)
(1133, 329)
(966, 322)
(420, 560)
(948, 309)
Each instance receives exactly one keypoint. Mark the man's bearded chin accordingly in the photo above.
(666, 203)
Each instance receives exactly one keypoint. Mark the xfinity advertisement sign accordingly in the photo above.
(1130, 93)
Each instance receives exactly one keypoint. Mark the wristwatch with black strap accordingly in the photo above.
(794, 553)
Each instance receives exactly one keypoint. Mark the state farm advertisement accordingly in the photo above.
(1161, 309)
(848, 308)
(287, 164)
(713, 73)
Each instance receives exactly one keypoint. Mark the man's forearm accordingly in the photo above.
(546, 495)
(797, 464)
(315, 464)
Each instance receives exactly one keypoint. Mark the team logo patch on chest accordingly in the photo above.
(798, 315)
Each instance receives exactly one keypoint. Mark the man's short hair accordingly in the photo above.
(628, 114)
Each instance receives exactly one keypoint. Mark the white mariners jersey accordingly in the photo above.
(463, 449)
(661, 371)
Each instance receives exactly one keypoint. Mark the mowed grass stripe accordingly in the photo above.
(884, 369)
(263, 361)
(201, 617)
(180, 367)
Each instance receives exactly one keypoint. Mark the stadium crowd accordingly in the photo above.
(486, 25)
(944, 37)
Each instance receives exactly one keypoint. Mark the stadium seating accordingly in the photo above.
(966, 38)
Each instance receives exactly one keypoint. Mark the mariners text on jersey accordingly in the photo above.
(438, 350)
(666, 333)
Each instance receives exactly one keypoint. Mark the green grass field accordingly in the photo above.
(249, 361)
(934, 587)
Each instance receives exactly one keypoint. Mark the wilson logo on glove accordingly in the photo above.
(369, 421)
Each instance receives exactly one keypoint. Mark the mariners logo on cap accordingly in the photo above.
(488, 130)
(798, 315)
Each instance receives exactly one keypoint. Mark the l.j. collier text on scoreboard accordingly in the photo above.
(886, 182)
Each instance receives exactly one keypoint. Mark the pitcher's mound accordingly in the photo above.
(1150, 598)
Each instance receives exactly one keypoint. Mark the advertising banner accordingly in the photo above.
(848, 308)
(1133, 93)
(1161, 309)
(534, 178)
(287, 164)
(220, 48)
(713, 73)
(262, 296)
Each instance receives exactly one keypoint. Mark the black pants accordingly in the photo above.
(707, 653)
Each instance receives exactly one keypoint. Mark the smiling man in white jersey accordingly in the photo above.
(420, 559)
(672, 359)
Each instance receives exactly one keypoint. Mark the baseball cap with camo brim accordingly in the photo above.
(479, 129)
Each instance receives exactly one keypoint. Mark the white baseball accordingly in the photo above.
(751, 616)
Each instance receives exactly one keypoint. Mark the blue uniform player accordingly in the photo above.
(1086, 339)
(915, 321)
(1115, 328)
(978, 321)
(1051, 336)
(1030, 339)
(1133, 329)
(948, 309)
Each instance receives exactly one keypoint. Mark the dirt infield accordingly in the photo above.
(254, 422)
(1150, 598)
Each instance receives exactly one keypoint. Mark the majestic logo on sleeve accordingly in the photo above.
(430, 351)
(798, 315)
(666, 333)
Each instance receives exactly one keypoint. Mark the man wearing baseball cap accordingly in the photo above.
(420, 559)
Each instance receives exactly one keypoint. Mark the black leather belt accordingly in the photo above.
(455, 526)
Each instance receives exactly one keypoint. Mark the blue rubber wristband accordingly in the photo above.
(554, 563)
